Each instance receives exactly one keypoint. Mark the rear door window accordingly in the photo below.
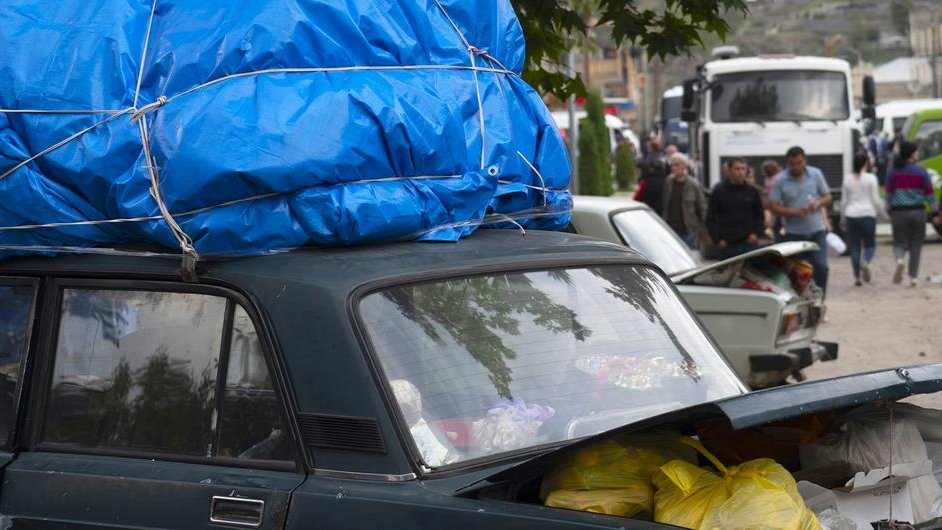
(17, 299)
(252, 425)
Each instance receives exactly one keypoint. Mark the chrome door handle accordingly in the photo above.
(237, 511)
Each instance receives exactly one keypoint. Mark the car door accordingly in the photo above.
(17, 307)
(155, 409)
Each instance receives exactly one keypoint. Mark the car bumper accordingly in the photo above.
(773, 370)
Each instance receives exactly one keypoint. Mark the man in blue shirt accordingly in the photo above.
(799, 194)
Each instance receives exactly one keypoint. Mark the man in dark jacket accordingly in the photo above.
(735, 217)
(651, 188)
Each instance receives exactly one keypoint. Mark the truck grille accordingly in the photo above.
(831, 165)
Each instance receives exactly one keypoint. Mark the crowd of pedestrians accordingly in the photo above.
(791, 204)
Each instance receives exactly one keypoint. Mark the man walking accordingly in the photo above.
(735, 217)
(684, 204)
(799, 193)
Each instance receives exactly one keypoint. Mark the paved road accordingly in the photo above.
(882, 325)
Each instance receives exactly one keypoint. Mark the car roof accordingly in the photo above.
(605, 205)
(932, 113)
(905, 107)
(347, 267)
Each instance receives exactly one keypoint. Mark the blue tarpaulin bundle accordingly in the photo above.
(234, 128)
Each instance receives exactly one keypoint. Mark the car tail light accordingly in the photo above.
(791, 322)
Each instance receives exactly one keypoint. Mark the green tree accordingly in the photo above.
(595, 168)
(552, 26)
(624, 167)
(899, 13)
(589, 164)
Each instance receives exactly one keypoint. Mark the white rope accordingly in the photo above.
(60, 111)
(268, 71)
(535, 170)
(487, 220)
(464, 41)
(512, 221)
(472, 51)
(528, 186)
(88, 250)
(137, 114)
(186, 244)
(477, 91)
(205, 208)
(493, 59)
(140, 71)
(341, 69)
(55, 146)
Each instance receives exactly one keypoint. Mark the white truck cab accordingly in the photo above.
(756, 108)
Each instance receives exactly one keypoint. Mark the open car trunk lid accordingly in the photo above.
(752, 409)
(721, 273)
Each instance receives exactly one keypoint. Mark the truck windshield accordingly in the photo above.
(786, 95)
(671, 107)
(484, 365)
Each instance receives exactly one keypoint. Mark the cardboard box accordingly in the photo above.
(866, 497)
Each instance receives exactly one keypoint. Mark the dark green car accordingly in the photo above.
(410, 385)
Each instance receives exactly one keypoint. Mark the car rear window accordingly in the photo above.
(489, 364)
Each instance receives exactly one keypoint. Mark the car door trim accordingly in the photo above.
(356, 475)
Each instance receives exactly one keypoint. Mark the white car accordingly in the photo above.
(762, 308)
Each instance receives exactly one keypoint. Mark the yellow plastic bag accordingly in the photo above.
(614, 477)
(633, 501)
(759, 494)
(613, 463)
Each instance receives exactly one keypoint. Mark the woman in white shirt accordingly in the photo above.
(860, 206)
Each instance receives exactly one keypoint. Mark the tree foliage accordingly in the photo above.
(595, 169)
(624, 167)
(899, 13)
(552, 26)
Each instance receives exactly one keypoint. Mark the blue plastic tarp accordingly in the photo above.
(270, 125)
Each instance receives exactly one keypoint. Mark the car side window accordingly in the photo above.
(930, 136)
(136, 370)
(16, 307)
(252, 422)
(139, 370)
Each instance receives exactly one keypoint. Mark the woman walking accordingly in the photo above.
(908, 191)
(860, 206)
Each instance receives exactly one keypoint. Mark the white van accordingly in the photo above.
(617, 129)
(893, 114)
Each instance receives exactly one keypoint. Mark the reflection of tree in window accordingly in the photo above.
(755, 100)
(639, 293)
(136, 369)
(159, 406)
(173, 410)
(477, 311)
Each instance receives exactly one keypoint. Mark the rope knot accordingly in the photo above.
(478, 51)
(139, 113)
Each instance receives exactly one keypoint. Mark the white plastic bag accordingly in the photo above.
(864, 444)
(832, 519)
(836, 243)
